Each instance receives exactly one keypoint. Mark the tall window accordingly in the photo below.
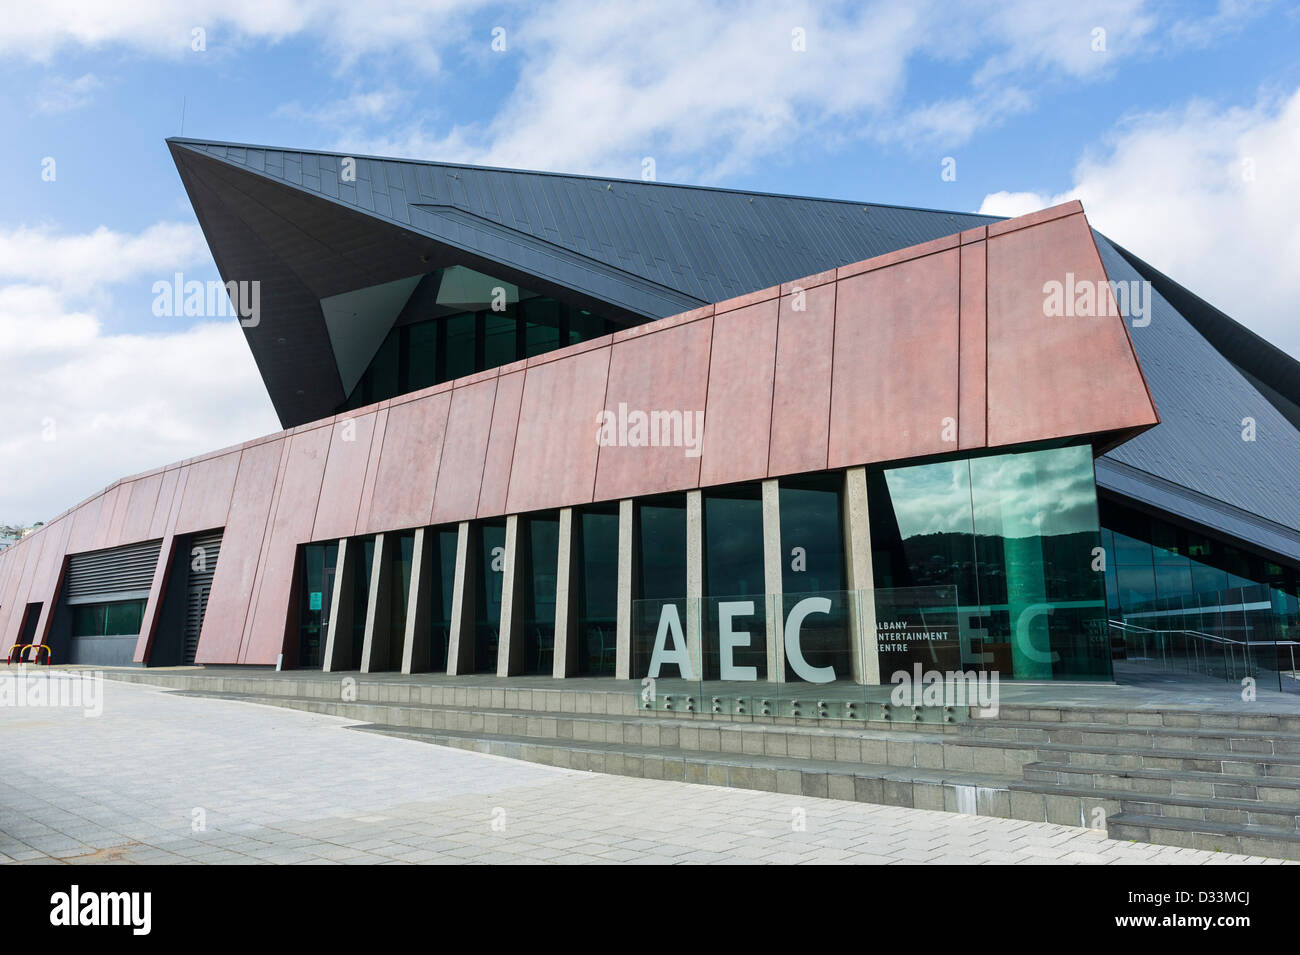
(487, 595)
(733, 577)
(541, 542)
(596, 540)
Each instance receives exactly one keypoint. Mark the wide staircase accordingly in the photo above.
(1202, 778)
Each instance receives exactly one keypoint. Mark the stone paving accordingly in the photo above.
(160, 778)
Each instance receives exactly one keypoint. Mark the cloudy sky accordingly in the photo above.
(1176, 123)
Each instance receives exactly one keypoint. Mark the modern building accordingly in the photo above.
(575, 426)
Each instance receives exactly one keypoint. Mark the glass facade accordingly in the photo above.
(1017, 536)
(1181, 600)
(459, 321)
(596, 543)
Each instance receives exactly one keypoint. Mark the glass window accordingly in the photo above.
(442, 587)
(733, 572)
(422, 357)
(1036, 529)
(596, 540)
(499, 345)
(361, 565)
(661, 548)
(487, 597)
(541, 542)
(460, 346)
(399, 582)
(812, 562)
(1015, 535)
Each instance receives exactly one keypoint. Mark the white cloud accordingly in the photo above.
(82, 262)
(347, 28)
(58, 94)
(1211, 197)
(83, 407)
(711, 88)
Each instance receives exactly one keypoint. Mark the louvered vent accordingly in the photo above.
(119, 573)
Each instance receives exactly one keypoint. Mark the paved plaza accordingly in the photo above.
(163, 778)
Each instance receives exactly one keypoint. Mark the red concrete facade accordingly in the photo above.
(929, 350)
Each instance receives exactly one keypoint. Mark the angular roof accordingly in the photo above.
(641, 250)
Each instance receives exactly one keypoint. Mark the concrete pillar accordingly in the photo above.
(338, 642)
(566, 597)
(857, 559)
(773, 581)
(695, 580)
(626, 590)
(377, 649)
(510, 649)
(460, 645)
(415, 642)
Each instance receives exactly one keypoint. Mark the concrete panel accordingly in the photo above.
(415, 641)
(555, 446)
(235, 576)
(663, 371)
(372, 469)
(894, 386)
(345, 474)
(860, 577)
(166, 498)
(567, 571)
(293, 513)
(208, 488)
(739, 420)
(972, 424)
(1054, 376)
(510, 648)
(85, 519)
(626, 589)
(501, 445)
(464, 450)
(801, 395)
(140, 508)
(408, 465)
(460, 644)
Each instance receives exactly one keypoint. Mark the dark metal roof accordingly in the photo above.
(642, 250)
(1197, 452)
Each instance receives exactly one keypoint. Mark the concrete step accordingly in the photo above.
(854, 744)
(1016, 754)
(1220, 837)
(1139, 737)
(973, 793)
(1186, 718)
(1234, 811)
(1275, 789)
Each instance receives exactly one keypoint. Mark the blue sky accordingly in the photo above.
(1178, 127)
